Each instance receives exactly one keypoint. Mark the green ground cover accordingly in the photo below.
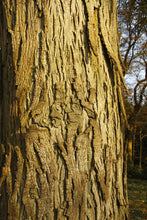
(137, 193)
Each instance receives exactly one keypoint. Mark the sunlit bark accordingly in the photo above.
(62, 115)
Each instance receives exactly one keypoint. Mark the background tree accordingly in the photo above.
(141, 135)
(132, 28)
(62, 152)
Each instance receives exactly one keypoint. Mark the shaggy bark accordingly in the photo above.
(62, 114)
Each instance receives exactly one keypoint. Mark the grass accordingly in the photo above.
(137, 193)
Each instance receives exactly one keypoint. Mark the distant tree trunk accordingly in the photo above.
(130, 155)
(140, 149)
(62, 150)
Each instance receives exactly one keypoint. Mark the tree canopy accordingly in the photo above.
(132, 19)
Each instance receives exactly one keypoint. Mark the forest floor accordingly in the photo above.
(137, 193)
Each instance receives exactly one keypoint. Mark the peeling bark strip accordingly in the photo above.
(61, 113)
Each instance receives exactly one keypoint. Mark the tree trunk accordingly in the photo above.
(62, 150)
(140, 149)
(129, 146)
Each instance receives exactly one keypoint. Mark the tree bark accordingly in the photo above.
(62, 152)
